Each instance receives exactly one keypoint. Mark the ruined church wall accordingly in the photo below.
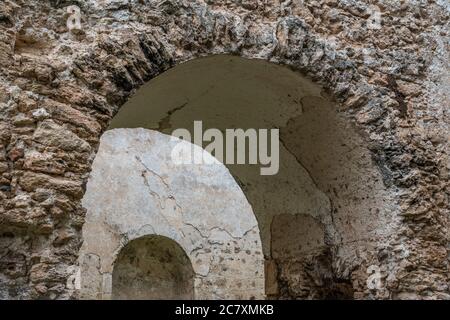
(59, 90)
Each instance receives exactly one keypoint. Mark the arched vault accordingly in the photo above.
(60, 88)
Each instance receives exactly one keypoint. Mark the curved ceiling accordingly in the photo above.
(326, 172)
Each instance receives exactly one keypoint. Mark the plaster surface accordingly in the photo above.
(135, 190)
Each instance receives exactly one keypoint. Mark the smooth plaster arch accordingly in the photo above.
(135, 190)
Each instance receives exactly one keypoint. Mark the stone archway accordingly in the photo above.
(152, 267)
(58, 92)
(136, 191)
(327, 203)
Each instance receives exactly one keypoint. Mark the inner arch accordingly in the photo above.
(152, 267)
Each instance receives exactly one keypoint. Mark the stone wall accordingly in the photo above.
(60, 89)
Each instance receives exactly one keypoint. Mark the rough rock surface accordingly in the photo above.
(59, 90)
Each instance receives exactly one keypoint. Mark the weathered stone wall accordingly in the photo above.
(59, 90)
(136, 190)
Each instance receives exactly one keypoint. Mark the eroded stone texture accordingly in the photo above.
(136, 190)
(391, 82)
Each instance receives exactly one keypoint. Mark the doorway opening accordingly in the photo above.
(152, 267)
